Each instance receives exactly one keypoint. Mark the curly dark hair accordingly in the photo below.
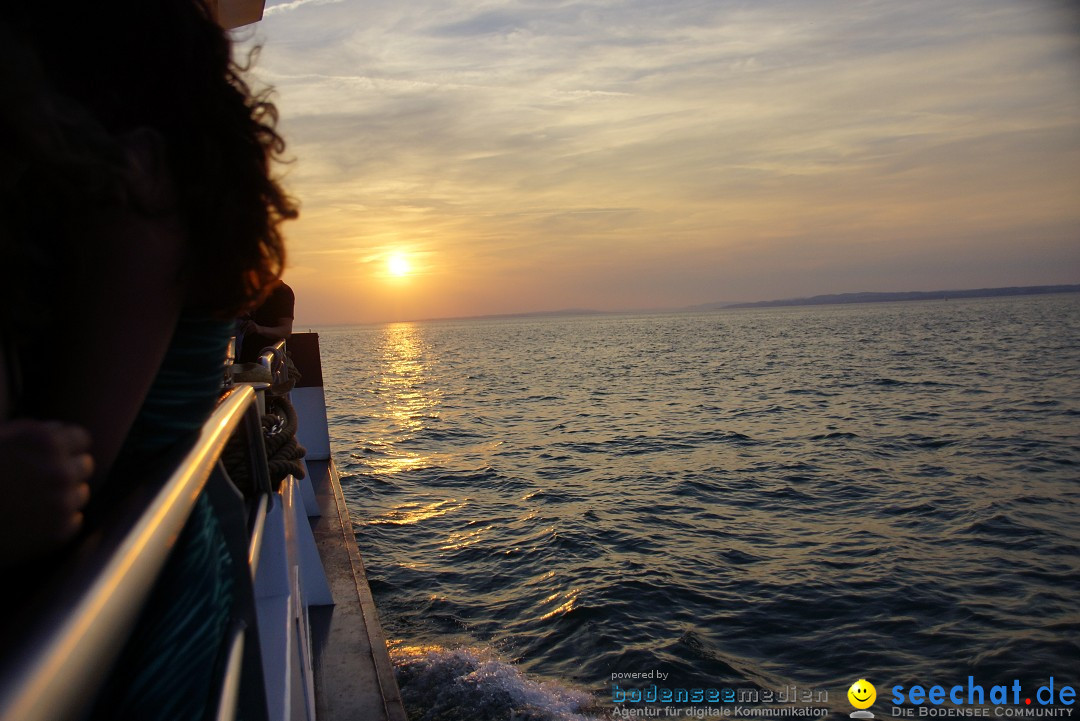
(166, 66)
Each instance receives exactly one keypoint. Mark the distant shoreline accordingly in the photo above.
(869, 297)
(833, 299)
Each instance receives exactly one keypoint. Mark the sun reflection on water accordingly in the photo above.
(464, 539)
(409, 393)
(567, 606)
(408, 513)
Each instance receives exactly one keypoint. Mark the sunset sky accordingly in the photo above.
(633, 154)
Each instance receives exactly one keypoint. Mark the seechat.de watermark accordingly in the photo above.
(652, 694)
(969, 699)
(975, 699)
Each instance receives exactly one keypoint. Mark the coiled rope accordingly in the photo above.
(284, 453)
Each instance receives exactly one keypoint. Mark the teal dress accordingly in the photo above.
(185, 389)
(171, 666)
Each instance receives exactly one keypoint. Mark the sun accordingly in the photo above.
(398, 265)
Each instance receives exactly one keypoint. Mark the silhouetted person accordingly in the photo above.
(139, 208)
(270, 322)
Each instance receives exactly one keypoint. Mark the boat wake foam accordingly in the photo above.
(440, 684)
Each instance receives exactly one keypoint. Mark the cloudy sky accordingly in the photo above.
(525, 155)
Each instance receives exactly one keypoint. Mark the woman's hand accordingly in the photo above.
(44, 469)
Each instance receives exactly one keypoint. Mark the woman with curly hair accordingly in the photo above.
(143, 204)
(139, 217)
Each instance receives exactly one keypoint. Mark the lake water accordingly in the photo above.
(751, 498)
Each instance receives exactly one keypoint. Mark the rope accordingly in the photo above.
(288, 379)
(283, 451)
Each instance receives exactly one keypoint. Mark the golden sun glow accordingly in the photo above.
(398, 265)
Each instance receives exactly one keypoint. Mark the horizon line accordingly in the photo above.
(848, 298)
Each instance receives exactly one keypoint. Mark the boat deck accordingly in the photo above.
(353, 675)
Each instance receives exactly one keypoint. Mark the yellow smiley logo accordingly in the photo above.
(862, 694)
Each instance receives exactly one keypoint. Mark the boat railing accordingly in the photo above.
(55, 664)
(273, 359)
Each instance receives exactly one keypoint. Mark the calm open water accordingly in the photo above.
(737, 498)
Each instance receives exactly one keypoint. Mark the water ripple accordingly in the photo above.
(801, 495)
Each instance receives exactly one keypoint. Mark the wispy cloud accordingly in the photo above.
(733, 143)
(294, 4)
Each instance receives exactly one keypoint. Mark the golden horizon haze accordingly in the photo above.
(613, 155)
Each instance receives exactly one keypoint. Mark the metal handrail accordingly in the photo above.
(62, 661)
(230, 692)
(272, 358)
